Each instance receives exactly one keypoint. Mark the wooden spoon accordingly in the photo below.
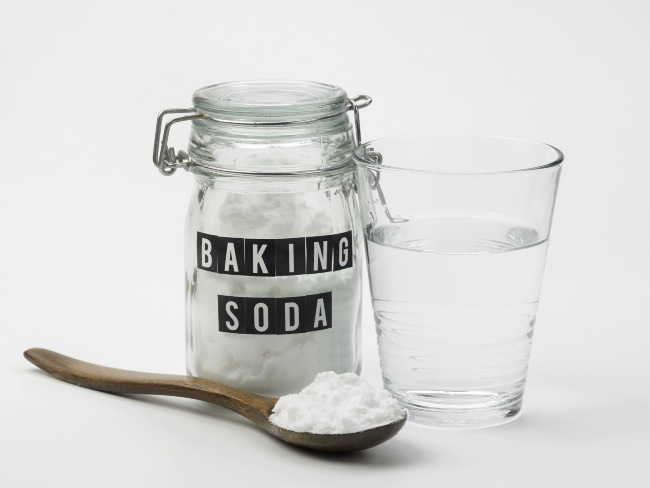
(255, 408)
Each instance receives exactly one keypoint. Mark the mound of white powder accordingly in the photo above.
(336, 404)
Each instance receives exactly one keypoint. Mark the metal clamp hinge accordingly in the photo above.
(165, 158)
(355, 104)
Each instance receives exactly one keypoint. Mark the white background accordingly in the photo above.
(91, 243)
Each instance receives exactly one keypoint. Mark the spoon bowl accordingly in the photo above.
(256, 408)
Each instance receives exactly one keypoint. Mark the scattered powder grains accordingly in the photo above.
(336, 404)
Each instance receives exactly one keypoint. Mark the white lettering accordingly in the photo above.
(206, 249)
(288, 307)
(320, 255)
(291, 268)
(265, 317)
(231, 258)
(320, 314)
(234, 325)
(257, 259)
(343, 251)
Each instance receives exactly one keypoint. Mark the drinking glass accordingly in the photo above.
(456, 230)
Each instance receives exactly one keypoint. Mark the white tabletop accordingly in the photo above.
(91, 250)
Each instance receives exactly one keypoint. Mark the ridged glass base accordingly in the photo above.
(461, 410)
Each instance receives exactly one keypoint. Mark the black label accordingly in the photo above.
(230, 255)
(259, 257)
(232, 314)
(274, 257)
(290, 256)
(275, 316)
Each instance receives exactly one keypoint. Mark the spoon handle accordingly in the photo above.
(256, 408)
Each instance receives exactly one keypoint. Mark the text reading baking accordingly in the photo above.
(273, 257)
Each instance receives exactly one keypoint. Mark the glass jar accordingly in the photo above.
(273, 270)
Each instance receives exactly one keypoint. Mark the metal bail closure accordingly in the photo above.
(378, 159)
(165, 158)
(167, 161)
(354, 104)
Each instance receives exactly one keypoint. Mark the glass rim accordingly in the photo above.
(359, 155)
(267, 100)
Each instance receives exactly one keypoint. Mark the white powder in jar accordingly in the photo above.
(336, 404)
(271, 365)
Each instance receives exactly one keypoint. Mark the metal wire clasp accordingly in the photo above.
(168, 161)
(165, 158)
(354, 104)
(378, 159)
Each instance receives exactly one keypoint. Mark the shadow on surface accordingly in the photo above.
(392, 454)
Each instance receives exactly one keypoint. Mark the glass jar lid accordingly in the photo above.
(270, 102)
(263, 127)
